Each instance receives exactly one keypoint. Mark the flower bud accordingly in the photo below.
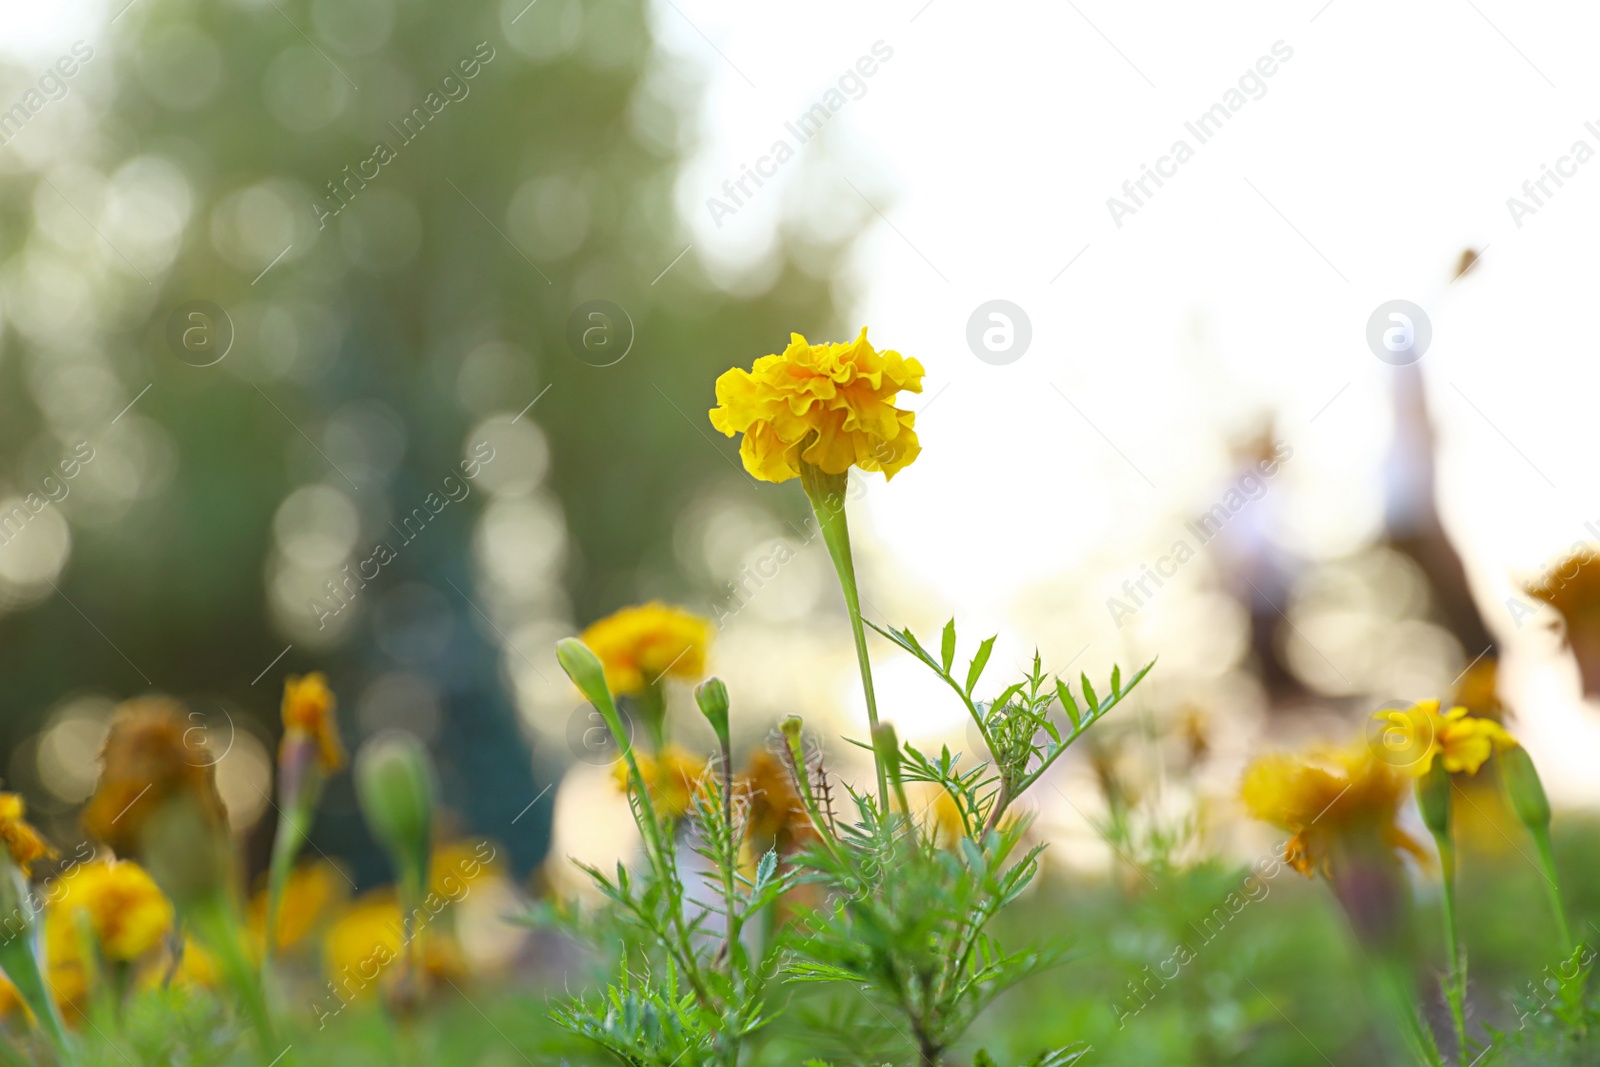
(395, 785)
(1524, 788)
(1433, 799)
(584, 668)
(712, 696)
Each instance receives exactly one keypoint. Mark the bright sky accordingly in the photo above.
(980, 160)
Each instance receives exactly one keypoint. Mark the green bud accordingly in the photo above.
(712, 696)
(1524, 788)
(584, 668)
(1433, 799)
(395, 784)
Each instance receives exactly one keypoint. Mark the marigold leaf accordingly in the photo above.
(1093, 701)
(979, 661)
(1068, 704)
(948, 646)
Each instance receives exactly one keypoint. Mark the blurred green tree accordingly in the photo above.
(283, 266)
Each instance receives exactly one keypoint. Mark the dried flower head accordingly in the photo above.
(829, 405)
(151, 756)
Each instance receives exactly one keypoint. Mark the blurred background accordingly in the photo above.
(275, 277)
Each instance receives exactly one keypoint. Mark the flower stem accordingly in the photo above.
(1547, 864)
(826, 493)
(1456, 981)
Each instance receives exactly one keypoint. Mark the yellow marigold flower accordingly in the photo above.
(151, 755)
(127, 913)
(369, 937)
(20, 838)
(309, 893)
(1412, 738)
(829, 405)
(671, 777)
(364, 939)
(308, 712)
(456, 864)
(639, 645)
(1324, 796)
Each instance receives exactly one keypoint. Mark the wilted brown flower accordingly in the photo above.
(151, 756)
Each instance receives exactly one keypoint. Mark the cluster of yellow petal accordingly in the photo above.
(308, 712)
(1412, 738)
(670, 776)
(21, 840)
(1322, 796)
(637, 646)
(829, 405)
(120, 904)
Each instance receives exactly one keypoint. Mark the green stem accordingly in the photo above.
(826, 493)
(214, 920)
(652, 704)
(286, 845)
(1547, 864)
(1455, 987)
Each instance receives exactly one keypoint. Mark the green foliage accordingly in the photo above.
(909, 916)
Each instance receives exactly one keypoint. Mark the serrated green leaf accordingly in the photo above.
(947, 648)
(1116, 679)
(769, 863)
(1092, 701)
(980, 661)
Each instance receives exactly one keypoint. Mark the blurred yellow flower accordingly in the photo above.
(456, 864)
(312, 888)
(369, 935)
(151, 755)
(21, 840)
(1413, 737)
(671, 777)
(829, 405)
(196, 969)
(639, 645)
(308, 713)
(1323, 796)
(364, 939)
(122, 906)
